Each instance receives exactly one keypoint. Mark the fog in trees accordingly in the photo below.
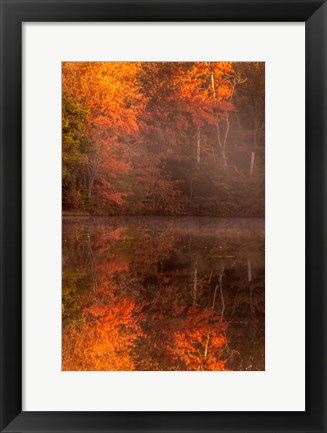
(163, 205)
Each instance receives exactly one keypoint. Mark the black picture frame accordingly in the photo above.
(13, 14)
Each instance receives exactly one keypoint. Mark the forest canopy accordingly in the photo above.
(163, 138)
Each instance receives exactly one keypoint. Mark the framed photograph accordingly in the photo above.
(163, 216)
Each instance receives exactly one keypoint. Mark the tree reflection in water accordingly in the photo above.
(153, 293)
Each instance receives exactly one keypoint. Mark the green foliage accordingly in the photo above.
(74, 285)
(75, 148)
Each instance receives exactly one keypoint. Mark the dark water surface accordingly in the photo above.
(163, 293)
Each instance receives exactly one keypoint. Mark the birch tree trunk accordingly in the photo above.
(252, 163)
(198, 137)
(222, 294)
(225, 140)
(195, 282)
(214, 298)
(249, 271)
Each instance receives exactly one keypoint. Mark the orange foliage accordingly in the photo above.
(109, 90)
(205, 90)
(200, 341)
(112, 95)
(105, 341)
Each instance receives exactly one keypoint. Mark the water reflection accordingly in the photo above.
(153, 293)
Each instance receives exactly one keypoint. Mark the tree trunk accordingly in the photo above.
(218, 136)
(214, 298)
(206, 346)
(225, 140)
(213, 86)
(251, 289)
(221, 294)
(252, 163)
(195, 282)
(249, 271)
(198, 134)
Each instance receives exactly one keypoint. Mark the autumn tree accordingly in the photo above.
(161, 294)
(199, 341)
(75, 147)
(168, 138)
(111, 95)
(109, 320)
(106, 339)
(206, 90)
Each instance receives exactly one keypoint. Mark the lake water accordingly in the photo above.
(163, 294)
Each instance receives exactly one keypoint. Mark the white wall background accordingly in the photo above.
(281, 386)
